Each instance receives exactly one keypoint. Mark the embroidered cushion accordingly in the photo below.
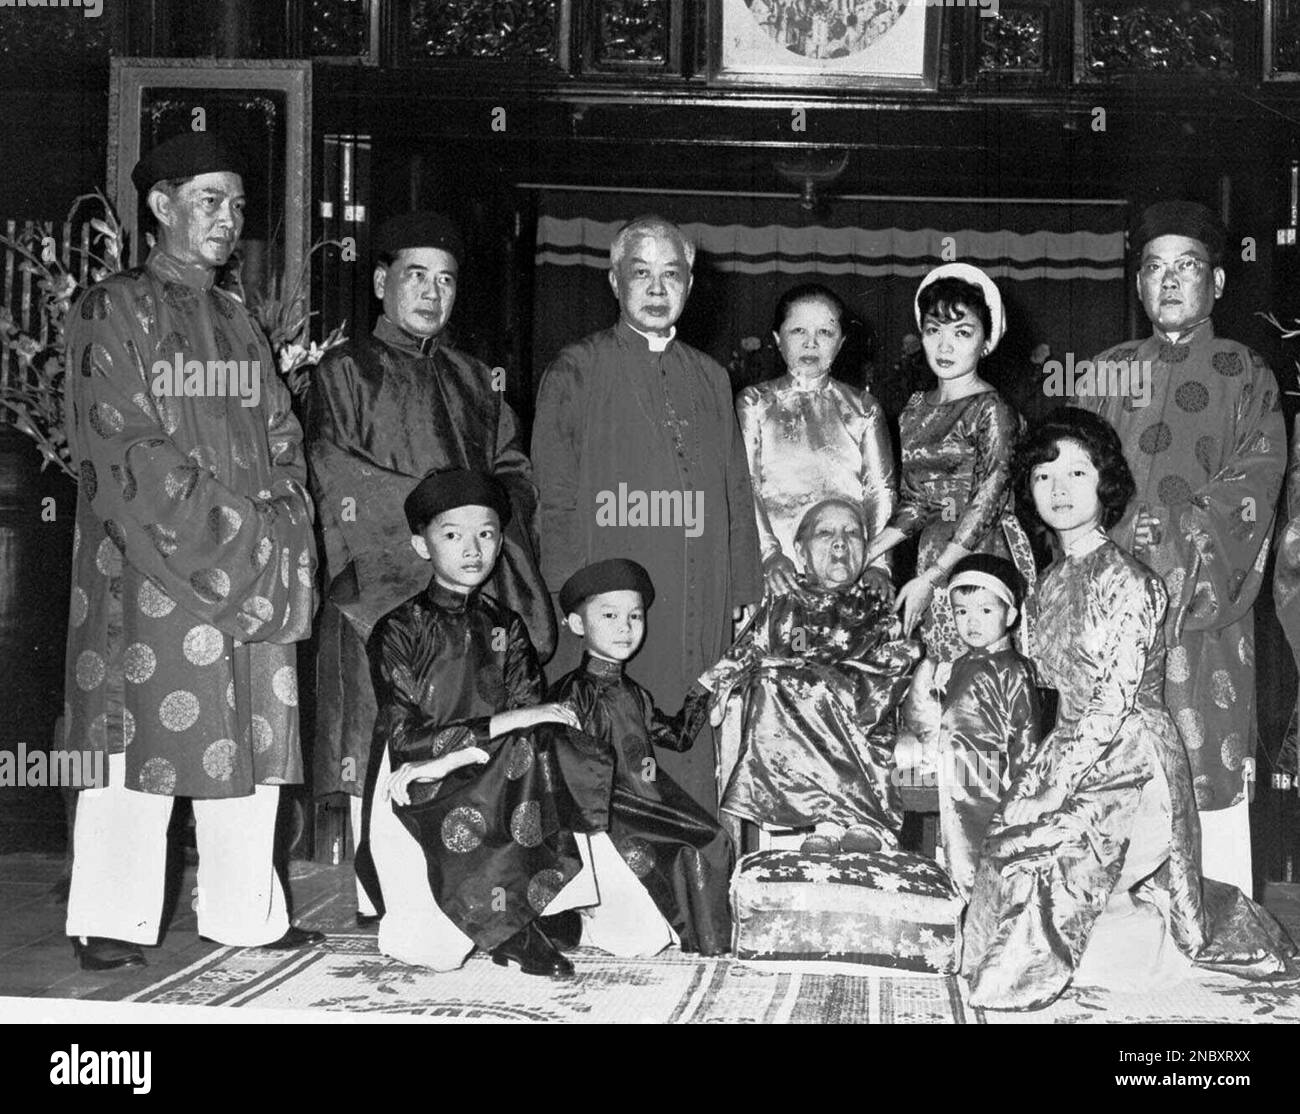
(885, 909)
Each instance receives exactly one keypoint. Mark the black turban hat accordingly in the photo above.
(447, 490)
(419, 230)
(185, 156)
(615, 575)
(1181, 218)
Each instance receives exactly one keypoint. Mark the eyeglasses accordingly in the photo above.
(1185, 267)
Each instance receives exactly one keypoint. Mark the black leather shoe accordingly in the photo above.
(535, 954)
(366, 920)
(103, 953)
(295, 937)
(564, 930)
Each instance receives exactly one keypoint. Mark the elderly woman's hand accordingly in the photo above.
(780, 574)
(878, 581)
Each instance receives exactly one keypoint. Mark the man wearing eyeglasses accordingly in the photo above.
(1208, 454)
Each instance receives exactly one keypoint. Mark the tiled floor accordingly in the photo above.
(36, 959)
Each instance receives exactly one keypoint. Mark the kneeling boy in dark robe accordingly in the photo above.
(662, 863)
(461, 818)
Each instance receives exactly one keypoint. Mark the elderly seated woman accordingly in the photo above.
(819, 672)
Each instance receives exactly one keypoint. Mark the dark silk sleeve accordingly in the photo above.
(523, 672)
(677, 732)
(399, 652)
(367, 542)
(585, 759)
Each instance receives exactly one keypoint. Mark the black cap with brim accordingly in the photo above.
(423, 229)
(444, 491)
(614, 575)
(186, 156)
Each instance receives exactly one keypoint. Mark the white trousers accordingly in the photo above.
(625, 921)
(1225, 846)
(619, 916)
(414, 929)
(120, 856)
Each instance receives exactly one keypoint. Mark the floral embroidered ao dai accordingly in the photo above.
(1041, 885)
(810, 439)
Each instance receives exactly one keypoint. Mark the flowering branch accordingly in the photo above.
(1288, 333)
(35, 399)
(287, 325)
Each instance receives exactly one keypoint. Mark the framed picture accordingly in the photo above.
(262, 109)
(888, 44)
(1282, 40)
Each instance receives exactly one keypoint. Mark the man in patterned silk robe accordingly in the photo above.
(638, 455)
(1286, 592)
(193, 577)
(384, 411)
(1208, 454)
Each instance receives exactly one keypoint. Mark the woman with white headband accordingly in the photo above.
(956, 445)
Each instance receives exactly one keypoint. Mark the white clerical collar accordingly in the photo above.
(657, 343)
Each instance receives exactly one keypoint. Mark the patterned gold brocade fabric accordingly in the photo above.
(194, 567)
(1042, 884)
(819, 680)
(1208, 455)
(954, 488)
(812, 440)
(1286, 589)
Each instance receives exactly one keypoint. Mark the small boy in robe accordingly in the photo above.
(990, 720)
(662, 864)
(461, 818)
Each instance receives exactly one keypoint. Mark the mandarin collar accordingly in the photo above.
(804, 384)
(1002, 644)
(170, 269)
(395, 336)
(447, 598)
(599, 667)
(1202, 330)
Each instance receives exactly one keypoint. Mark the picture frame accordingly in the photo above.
(836, 44)
(1281, 49)
(261, 108)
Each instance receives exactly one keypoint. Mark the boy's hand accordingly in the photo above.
(398, 786)
(560, 713)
